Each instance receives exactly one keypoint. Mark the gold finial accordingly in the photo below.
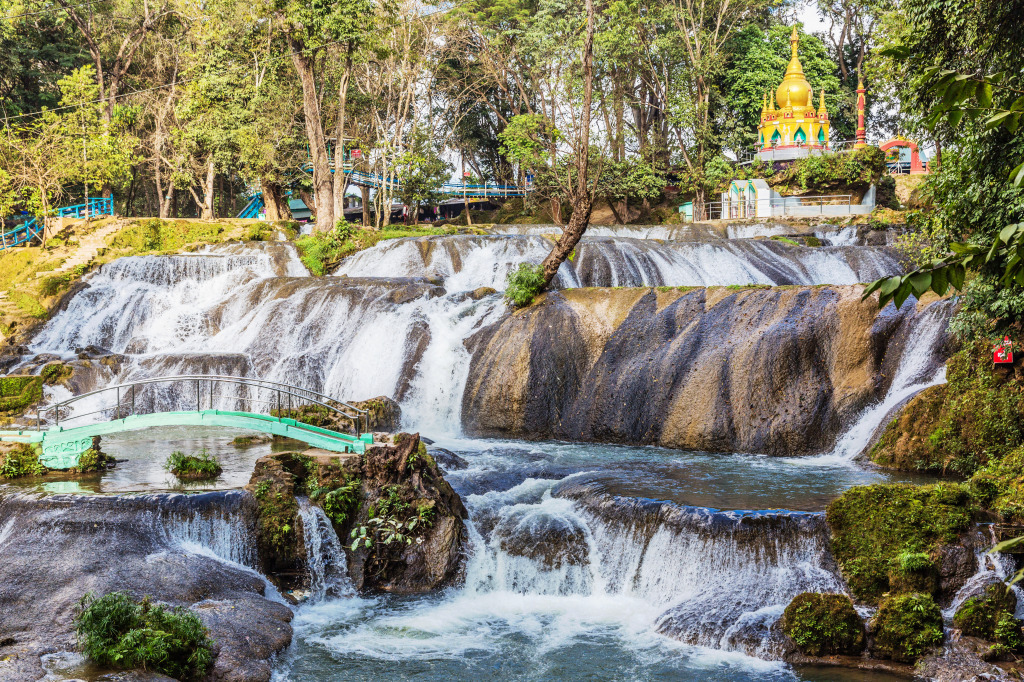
(793, 40)
(810, 98)
(821, 101)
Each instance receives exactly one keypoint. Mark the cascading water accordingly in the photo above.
(919, 368)
(325, 558)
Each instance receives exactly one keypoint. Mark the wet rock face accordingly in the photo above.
(553, 541)
(55, 549)
(777, 371)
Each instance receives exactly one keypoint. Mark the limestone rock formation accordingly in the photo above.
(745, 369)
(57, 548)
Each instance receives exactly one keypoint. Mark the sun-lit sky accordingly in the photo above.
(808, 14)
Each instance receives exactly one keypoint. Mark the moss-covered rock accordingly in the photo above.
(279, 539)
(906, 627)
(824, 625)
(382, 414)
(989, 616)
(913, 572)
(977, 418)
(873, 526)
(56, 373)
(17, 393)
(905, 444)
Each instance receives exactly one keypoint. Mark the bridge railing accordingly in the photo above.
(200, 391)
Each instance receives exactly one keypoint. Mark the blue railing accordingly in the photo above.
(32, 229)
(253, 208)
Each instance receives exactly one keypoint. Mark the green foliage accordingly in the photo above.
(852, 170)
(200, 466)
(421, 170)
(874, 526)
(320, 251)
(338, 503)
(885, 195)
(824, 625)
(57, 284)
(906, 627)
(524, 284)
(21, 460)
(117, 631)
(91, 460)
(990, 616)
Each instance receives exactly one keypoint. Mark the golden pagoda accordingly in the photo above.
(789, 120)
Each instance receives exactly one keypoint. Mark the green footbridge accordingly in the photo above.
(63, 443)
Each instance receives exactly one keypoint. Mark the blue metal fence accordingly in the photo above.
(32, 229)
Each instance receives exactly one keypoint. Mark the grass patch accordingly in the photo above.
(787, 240)
(28, 304)
(322, 251)
(117, 631)
(165, 235)
(198, 467)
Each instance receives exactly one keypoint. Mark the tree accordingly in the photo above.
(962, 71)
(422, 172)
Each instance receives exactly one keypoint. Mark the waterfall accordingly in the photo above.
(467, 262)
(919, 367)
(325, 557)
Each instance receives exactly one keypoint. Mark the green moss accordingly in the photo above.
(91, 460)
(200, 466)
(906, 627)
(785, 240)
(21, 460)
(873, 526)
(811, 240)
(19, 392)
(116, 631)
(56, 373)
(976, 419)
(990, 616)
(824, 624)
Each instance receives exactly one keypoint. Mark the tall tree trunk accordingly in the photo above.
(340, 179)
(323, 188)
(271, 207)
(365, 192)
(582, 198)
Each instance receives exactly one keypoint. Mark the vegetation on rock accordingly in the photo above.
(200, 466)
(906, 627)
(523, 284)
(117, 631)
(879, 528)
(824, 625)
(56, 373)
(976, 419)
(19, 459)
(990, 617)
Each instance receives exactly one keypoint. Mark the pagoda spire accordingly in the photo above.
(821, 103)
(794, 39)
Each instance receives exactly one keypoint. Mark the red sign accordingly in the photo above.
(465, 175)
(356, 153)
(1002, 353)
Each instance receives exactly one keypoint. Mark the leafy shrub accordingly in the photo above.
(873, 526)
(200, 466)
(906, 627)
(338, 503)
(320, 250)
(115, 630)
(824, 624)
(21, 460)
(523, 284)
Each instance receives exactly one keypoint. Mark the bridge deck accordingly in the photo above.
(63, 445)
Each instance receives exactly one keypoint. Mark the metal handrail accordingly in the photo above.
(282, 390)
